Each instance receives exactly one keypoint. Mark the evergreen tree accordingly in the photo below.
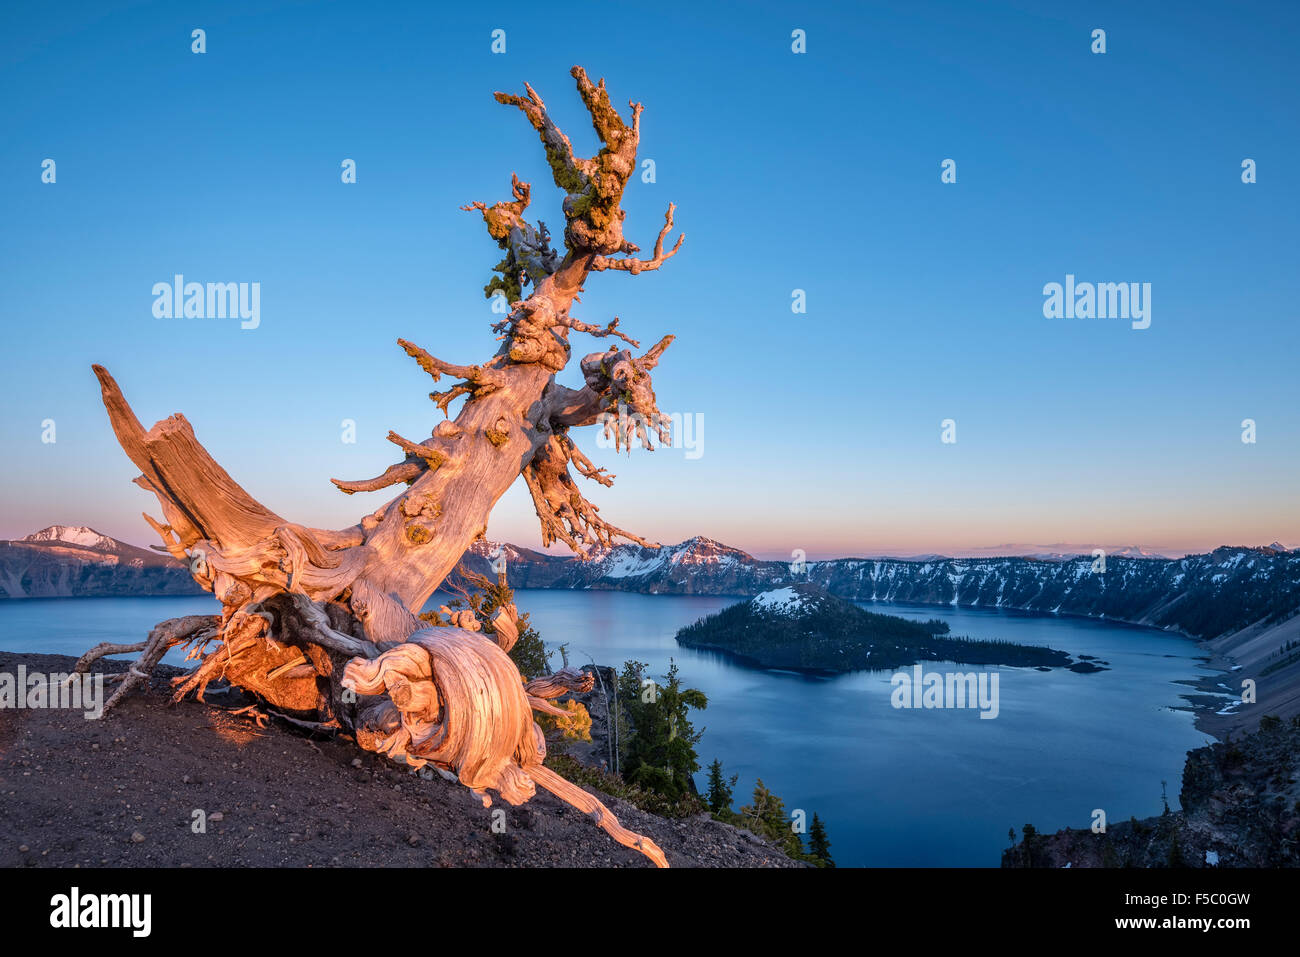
(767, 812)
(819, 845)
(628, 695)
(576, 726)
(660, 743)
(767, 817)
(720, 790)
(1030, 844)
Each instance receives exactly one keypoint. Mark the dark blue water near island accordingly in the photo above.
(896, 787)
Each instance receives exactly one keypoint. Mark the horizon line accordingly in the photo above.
(1013, 550)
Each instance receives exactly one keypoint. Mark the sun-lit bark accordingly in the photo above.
(321, 625)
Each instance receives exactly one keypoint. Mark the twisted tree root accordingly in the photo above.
(604, 818)
(164, 636)
(454, 698)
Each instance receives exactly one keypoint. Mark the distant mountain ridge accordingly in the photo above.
(67, 561)
(1054, 550)
(1203, 596)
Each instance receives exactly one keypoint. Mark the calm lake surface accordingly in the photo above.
(895, 787)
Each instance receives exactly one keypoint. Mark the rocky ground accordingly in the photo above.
(1240, 808)
(124, 791)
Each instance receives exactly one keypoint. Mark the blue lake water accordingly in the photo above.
(895, 787)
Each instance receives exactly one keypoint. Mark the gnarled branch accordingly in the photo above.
(635, 266)
(569, 175)
(563, 512)
(478, 375)
(529, 256)
(422, 450)
(407, 471)
(600, 332)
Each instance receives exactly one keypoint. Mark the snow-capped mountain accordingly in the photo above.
(76, 535)
(74, 561)
(697, 566)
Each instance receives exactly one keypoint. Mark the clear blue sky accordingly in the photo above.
(818, 171)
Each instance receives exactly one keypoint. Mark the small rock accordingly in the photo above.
(137, 837)
(216, 816)
(356, 762)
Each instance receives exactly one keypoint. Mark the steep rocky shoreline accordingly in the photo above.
(1240, 807)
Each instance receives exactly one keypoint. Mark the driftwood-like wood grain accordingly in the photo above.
(321, 625)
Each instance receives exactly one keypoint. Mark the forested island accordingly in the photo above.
(805, 628)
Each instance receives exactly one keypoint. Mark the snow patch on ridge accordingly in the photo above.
(73, 535)
(632, 566)
(780, 601)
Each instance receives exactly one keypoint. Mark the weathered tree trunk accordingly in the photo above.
(322, 625)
